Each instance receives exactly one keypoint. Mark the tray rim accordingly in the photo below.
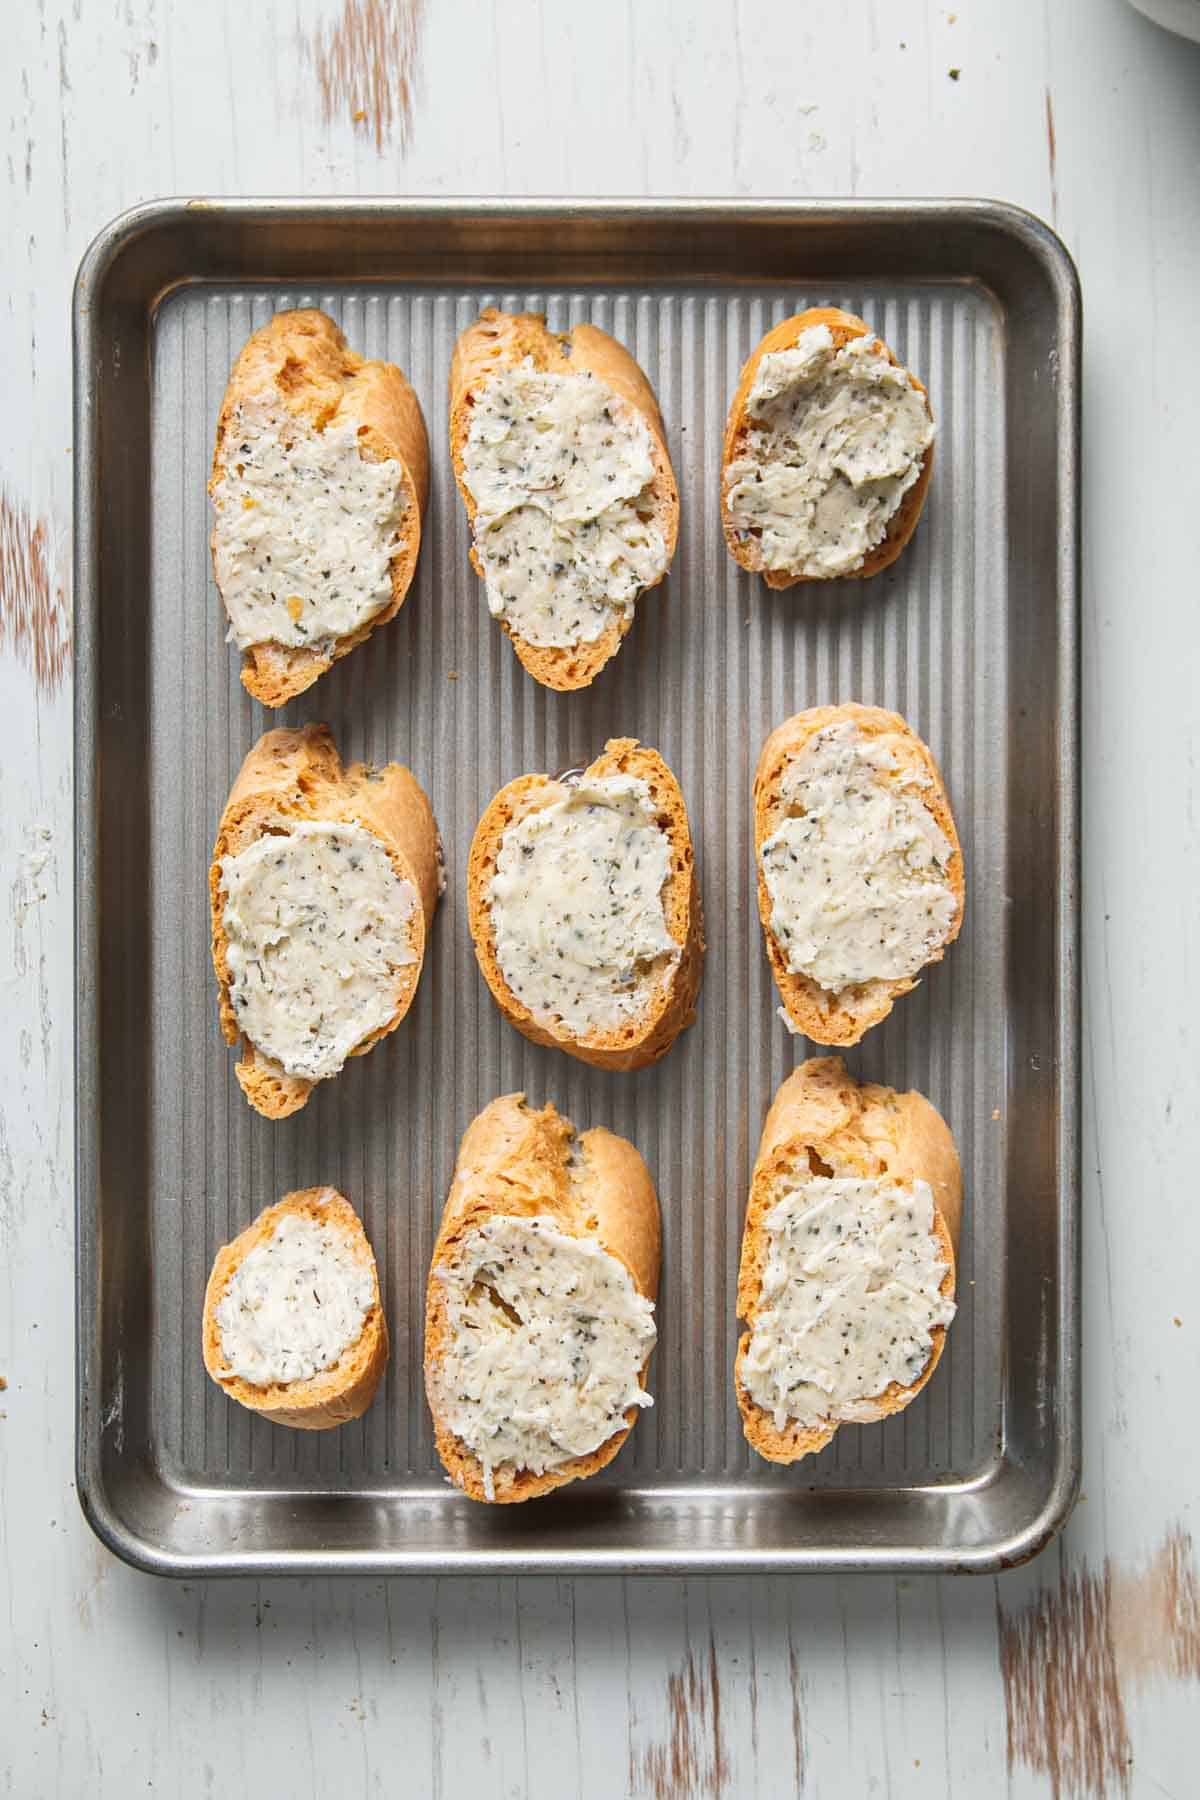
(119, 1534)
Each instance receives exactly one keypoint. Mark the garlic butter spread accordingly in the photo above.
(546, 1338)
(317, 922)
(295, 1304)
(857, 871)
(305, 530)
(850, 1297)
(561, 471)
(837, 438)
(576, 905)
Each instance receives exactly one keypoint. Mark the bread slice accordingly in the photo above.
(814, 1011)
(301, 361)
(746, 549)
(335, 1394)
(298, 775)
(822, 1120)
(498, 341)
(671, 995)
(523, 1164)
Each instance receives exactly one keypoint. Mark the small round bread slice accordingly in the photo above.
(313, 1273)
(515, 1164)
(299, 368)
(293, 779)
(670, 984)
(823, 1124)
(745, 545)
(499, 342)
(844, 1015)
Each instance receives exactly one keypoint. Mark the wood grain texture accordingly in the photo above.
(114, 1683)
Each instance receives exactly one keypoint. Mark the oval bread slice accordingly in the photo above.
(672, 1006)
(744, 548)
(519, 1163)
(813, 1011)
(298, 775)
(301, 361)
(333, 1395)
(499, 341)
(822, 1119)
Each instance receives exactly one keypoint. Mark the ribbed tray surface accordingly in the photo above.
(714, 660)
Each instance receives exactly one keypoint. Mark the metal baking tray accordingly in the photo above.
(972, 635)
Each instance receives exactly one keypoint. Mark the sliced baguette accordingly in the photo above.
(333, 1395)
(672, 1006)
(813, 1011)
(498, 341)
(745, 549)
(821, 1117)
(519, 1163)
(299, 775)
(301, 360)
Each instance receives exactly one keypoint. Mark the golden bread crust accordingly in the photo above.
(813, 1010)
(515, 1162)
(822, 1113)
(301, 360)
(498, 341)
(844, 327)
(643, 1040)
(299, 775)
(334, 1395)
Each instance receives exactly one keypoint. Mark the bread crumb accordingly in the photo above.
(357, 118)
(951, 18)
(4, 1378)
(1174, 1321)
(295, 606)
(451, 674)
(954, 74)
(995, 1112)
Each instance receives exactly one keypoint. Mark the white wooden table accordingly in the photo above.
(1077, 1675)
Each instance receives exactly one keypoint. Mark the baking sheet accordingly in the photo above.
(971, 635)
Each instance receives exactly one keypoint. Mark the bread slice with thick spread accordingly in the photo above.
(323, 885)
(828, 453)
(847, 1272)
(584, 908)
(319, 483)
(293, 1326)
(561, 459)
(860, 871)
(539, 1316)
